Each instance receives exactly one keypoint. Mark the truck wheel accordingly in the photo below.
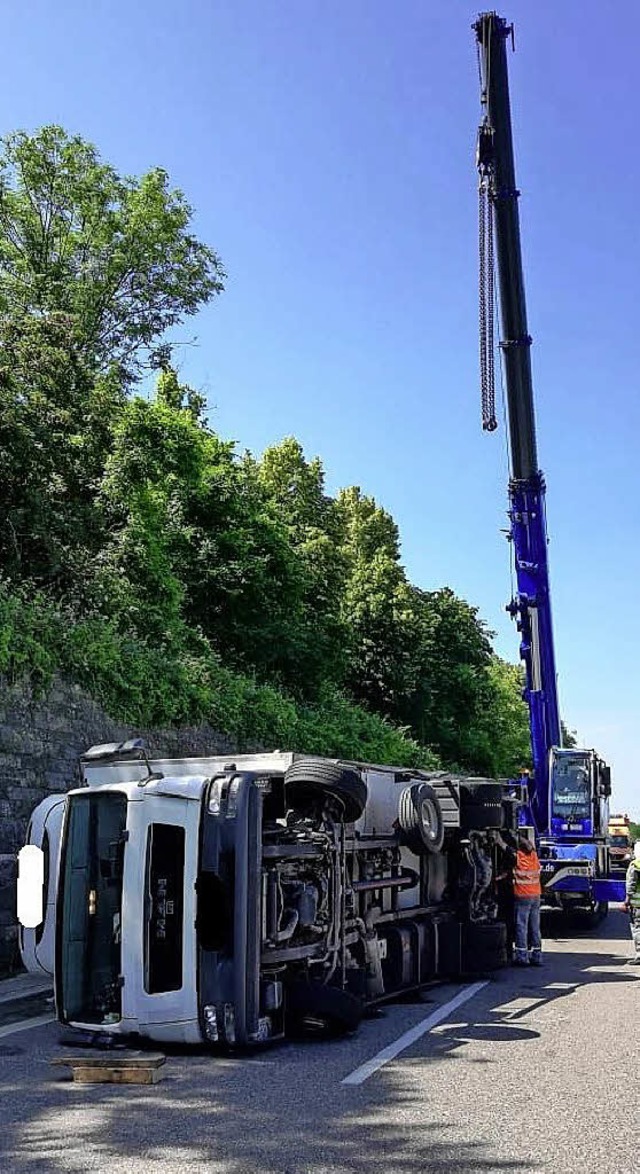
(306, 780)
(420, 817)
(314, 1009)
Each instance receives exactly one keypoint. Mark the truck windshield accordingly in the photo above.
(570, 788)
(90, 901)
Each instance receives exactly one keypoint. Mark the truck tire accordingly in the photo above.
(420, 818)
(307, 779)
(314, 1009)
(477, 817)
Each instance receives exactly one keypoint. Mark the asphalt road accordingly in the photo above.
(537, 1071)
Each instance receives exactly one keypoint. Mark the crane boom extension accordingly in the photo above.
(532, 605)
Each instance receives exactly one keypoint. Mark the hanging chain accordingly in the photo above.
(487, 304)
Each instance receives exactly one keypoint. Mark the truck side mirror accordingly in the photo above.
(604, 781)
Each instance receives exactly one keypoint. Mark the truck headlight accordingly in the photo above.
(215, 796)
(211, 1023)
(232, 798)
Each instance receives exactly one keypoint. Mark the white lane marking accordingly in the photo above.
(359, 1075)
(25, 1024)
(13, 995)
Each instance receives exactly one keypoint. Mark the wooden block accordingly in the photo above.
(114, 1068)
(117, 1075)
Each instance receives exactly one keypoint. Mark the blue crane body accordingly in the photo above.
(569, 788)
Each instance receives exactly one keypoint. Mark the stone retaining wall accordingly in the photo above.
(40, 744)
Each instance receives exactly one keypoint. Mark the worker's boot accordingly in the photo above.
(535, 958)
(520, 957)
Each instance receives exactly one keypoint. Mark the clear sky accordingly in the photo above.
(328, 148)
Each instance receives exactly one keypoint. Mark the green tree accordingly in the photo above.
(421, 658)
(377, 605)
(569, 737)
(114, 253)
(181, 509)
(452, 656)
(499, 740)
(295, 489)
(56, 418)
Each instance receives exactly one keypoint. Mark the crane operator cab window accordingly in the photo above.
(570, 787)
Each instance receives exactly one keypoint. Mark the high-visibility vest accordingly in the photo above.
(526, 874)
(634, 897)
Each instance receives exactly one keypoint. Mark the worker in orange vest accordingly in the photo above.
(526, 893)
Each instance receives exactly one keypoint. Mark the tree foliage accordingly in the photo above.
(55, 427)
(143, 556)
(569, 737)
(114, 253)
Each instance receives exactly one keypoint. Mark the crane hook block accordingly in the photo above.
(484, 148)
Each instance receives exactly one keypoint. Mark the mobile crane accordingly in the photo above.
(569, 788)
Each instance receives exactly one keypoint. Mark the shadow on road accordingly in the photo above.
(569, 964)
(284, 1111)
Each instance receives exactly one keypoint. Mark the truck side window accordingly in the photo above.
(164, 914)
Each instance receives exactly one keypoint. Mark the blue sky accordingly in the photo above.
(327, 147)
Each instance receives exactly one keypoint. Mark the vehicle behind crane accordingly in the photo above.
(569, 788)
(620, 844)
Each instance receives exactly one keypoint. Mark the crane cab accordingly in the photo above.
(579, 789)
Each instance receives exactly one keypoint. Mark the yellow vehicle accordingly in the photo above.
(619, 839)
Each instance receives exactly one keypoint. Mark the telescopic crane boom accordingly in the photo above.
(532, 603)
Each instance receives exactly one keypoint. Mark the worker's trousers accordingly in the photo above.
(528, 941)
(635, 929)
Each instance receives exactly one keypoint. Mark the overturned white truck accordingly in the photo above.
(234, 902)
